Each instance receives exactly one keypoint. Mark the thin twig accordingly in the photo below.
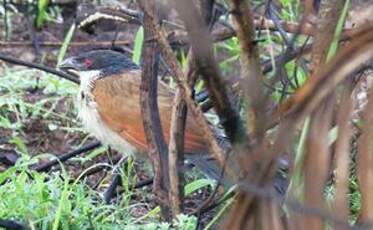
(61, 74)
(101, 167)
(176, 152)
(63, 157)
(296, 206)
(6, 21)
(150, 112)
(250, 68)
(204, 209)
(342, 152)
(117, 180)
(143, 183)
(178, 120)
(201, 44)
(316, 89)
(178, 76)
(58, 44)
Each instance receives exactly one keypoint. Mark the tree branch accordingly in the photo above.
(179, 78)
(149, 109)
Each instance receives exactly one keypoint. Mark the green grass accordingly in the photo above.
(57, 200)
(137, 47)
(50, 202)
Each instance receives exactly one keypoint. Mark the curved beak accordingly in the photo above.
(70, 65)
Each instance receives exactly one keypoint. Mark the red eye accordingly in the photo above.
(87, 63)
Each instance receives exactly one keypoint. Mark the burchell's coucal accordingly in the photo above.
(109, 107)
(109, 103)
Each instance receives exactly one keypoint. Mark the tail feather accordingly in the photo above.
(212, 169)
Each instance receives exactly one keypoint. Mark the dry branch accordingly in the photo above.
(179, 78)
(316, 162)
(317, 153)
(176, 145)
(201, 44)
(342, 157)
(311, 94)
(364, 165)
(326, 25)
(176, 152)
(150, 113)
(251, 74)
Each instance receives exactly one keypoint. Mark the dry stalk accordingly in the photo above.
(342, 151)
(364, 165)
(150, 113)
(316, 163)
(179, 78)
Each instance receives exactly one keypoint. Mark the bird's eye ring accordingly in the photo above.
(87, 63)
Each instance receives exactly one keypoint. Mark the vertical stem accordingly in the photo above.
(176, 152)
(6, 21)
(149, 108)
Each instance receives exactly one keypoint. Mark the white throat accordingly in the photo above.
(87, 79)
(90, 117)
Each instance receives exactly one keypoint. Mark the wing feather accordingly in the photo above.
(118, 103)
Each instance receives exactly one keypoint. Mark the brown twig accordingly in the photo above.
(178, 76)
(181, 38)
(364, 165)
(176, 152)
(316, 162)
(316, 89)
(250, 68)
(342, 150)
(201, 44)
(150, 113)
(178, 120)
(58, 44)
(255, 160)
(326, 25)
(299, 208)
(176, 145)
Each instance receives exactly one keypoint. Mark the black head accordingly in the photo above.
(106, 61)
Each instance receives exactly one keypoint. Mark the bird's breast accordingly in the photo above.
(93, 123)
(110, 109)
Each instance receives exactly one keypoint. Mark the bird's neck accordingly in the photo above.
(88, 79)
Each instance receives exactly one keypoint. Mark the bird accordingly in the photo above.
(109, 102)
(109, 108)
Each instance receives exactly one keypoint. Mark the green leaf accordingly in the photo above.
(338, 31)
(65, 44)
(5, 123)
(5, 175)
(94, 154)
(296, 185)
(332, 135)
(137, 47)
(19, 143)
(197, 184)
(42, 14)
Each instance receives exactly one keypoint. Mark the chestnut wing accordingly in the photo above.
(118, 103)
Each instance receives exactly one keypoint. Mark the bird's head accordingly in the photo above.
(103, 62)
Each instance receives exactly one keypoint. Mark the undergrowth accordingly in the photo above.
(58, 200)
